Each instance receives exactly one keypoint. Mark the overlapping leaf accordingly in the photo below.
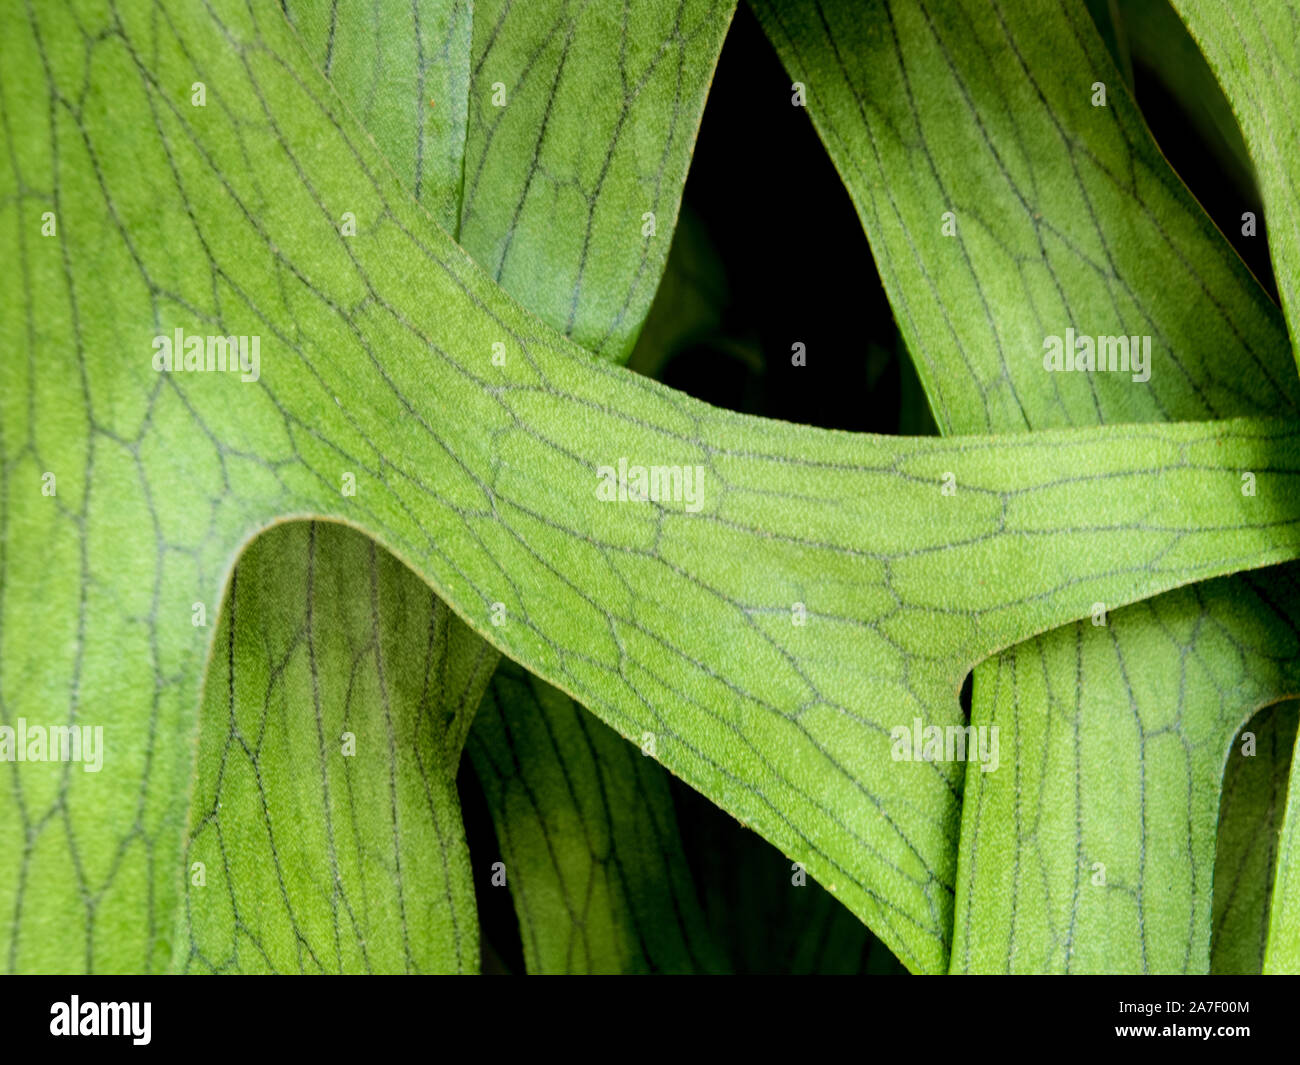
(1282, 953)
(386, 70)
(659, 618)
(541, 135)
(1063, 215)
(1092, 849)
(1254, 54)
(1251, 806)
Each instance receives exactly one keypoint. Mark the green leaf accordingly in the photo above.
(543, 145)
(1060, 210)
(748, 886)
(483, 479)
(572, 184)
(1161, 43)
(1092, 848)
(406, 76)
(1250, 822)
(379, 65)
(588, 836)
(1282, 953)
(1256, 61)
(326, 832)
(593, 98)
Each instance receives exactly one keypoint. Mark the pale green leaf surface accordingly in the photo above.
(1282, 952)
(601, 106)
(1038, 184)
(1092, 847)
(538, 135)
(483, 478)
(376, 63)
(405, 73)
(1255, 58)
(325, 830)
(533, 191)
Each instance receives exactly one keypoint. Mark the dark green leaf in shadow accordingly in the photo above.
(770, 917)
(1253, 52)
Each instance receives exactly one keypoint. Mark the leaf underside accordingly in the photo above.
(377, 361)
(326, 832)
(372, 63)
